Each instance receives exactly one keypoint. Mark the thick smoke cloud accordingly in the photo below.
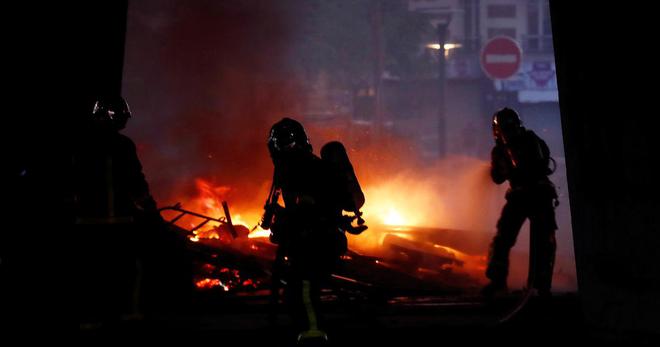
(205, 81)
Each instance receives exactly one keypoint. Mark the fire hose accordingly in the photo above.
(528, 291)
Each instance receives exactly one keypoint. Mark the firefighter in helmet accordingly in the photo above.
(523, 158)
(111, 186)
(308, 228)
(111, 201)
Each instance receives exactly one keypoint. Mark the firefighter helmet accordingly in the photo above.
(286, 136)
(506, 122)
(112, 112)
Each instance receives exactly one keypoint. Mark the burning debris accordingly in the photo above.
(233, 258)
(225, 279)
(220, 261)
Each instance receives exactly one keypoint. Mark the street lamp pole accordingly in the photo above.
(378, 54)
(442, 122)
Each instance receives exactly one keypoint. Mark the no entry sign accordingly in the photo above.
(501, 57)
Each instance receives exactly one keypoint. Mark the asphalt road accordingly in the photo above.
(404, 321)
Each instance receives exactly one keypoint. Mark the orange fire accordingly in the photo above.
(398, 203)
(393, 207)
(385, 205)
(209, 202)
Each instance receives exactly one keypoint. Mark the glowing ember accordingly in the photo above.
(210, 283)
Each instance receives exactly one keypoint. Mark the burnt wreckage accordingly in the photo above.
(230, 261)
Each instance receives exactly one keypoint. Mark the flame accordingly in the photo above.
(259, 233)
(208, 202)
(386, 204)
(393, 217)
(394, 206)
(400, 201)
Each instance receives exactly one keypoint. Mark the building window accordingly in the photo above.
(510, 32)
(539, 32)
(533, 17)
(501, 11)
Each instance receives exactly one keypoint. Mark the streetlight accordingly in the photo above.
(447, 46)
(440, 17)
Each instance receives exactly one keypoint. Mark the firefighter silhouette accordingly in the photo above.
(522, 158)
(112, 204)
(309, 229)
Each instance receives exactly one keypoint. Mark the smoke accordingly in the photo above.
(207, 79)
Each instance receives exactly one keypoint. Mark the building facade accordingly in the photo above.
(470, 95)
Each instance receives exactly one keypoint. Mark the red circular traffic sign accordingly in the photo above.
(501, 57)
